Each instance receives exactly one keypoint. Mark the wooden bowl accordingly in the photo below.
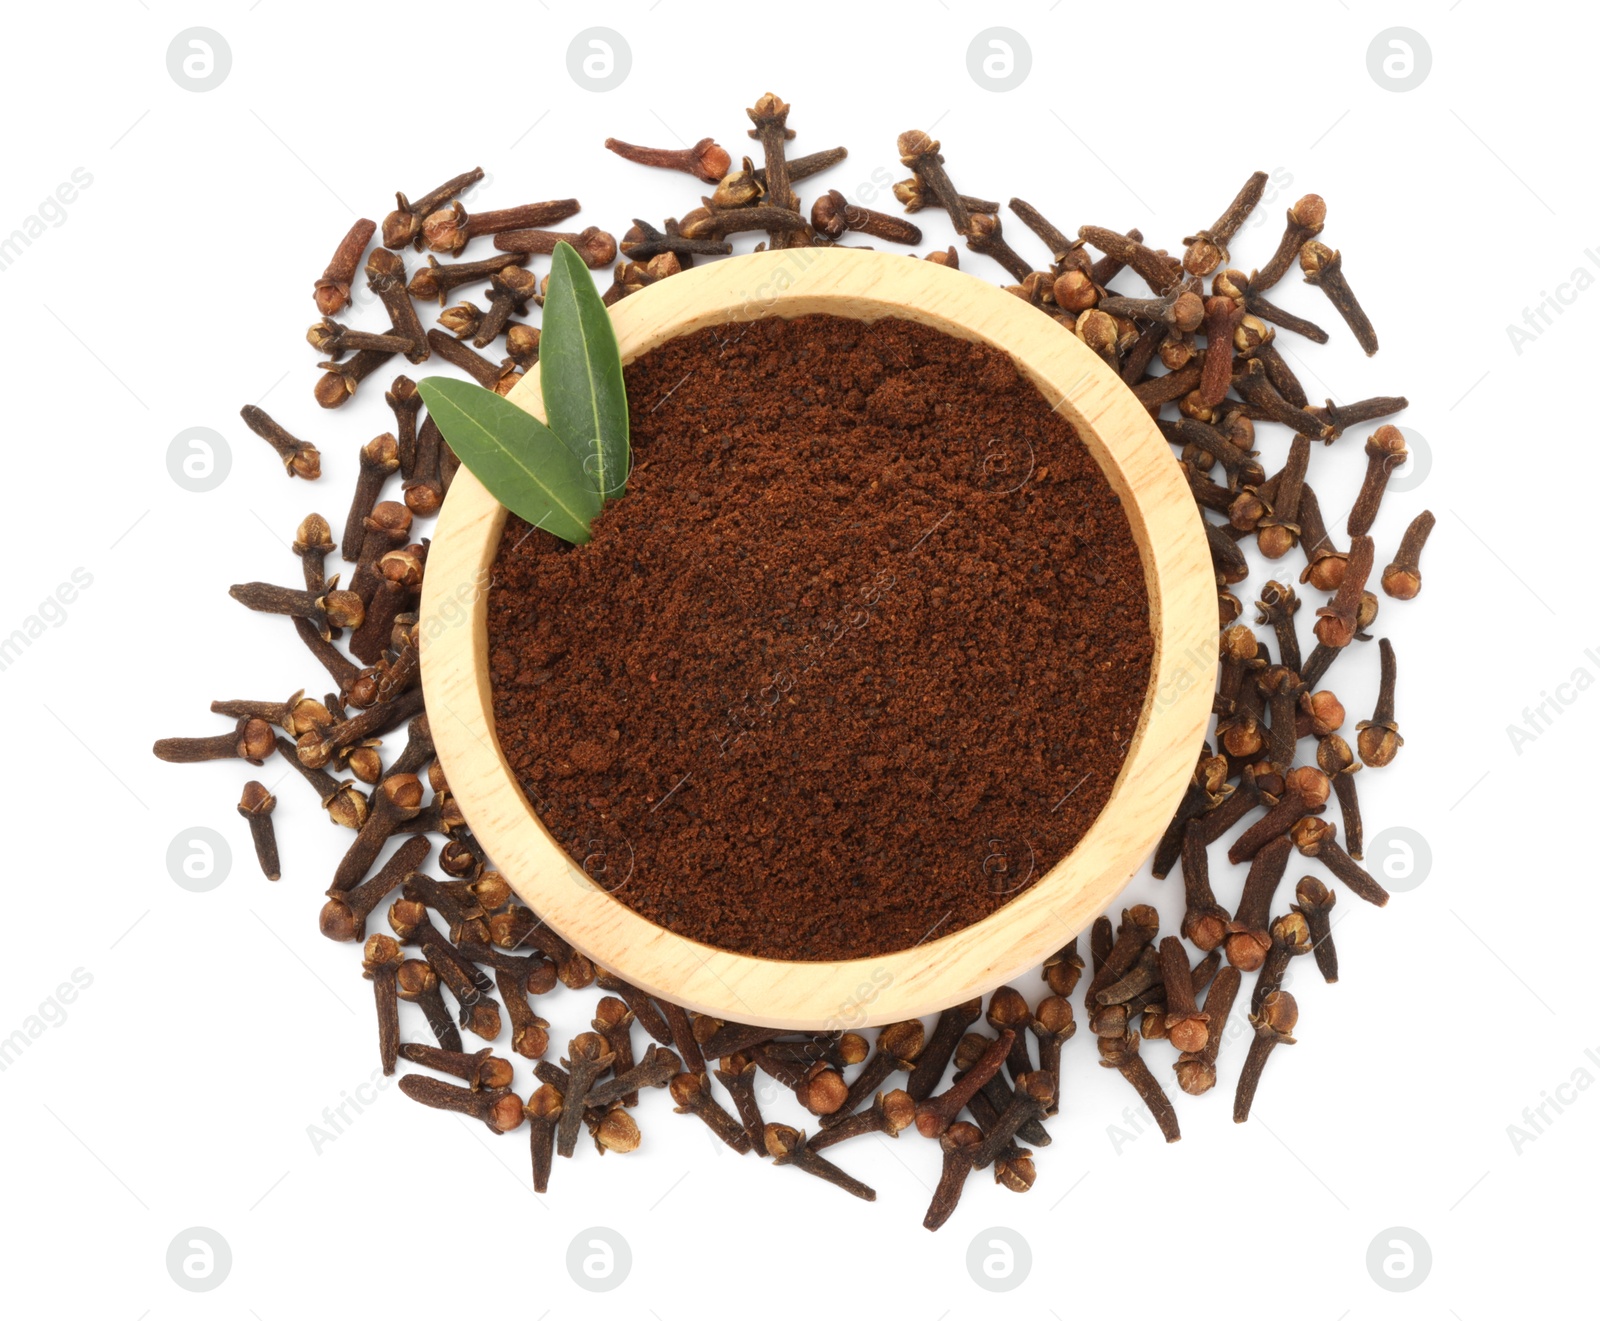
(1041, 919)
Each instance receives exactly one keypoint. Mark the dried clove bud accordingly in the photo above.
(403, 225)
(1030, 1101)
(705, 160)
(435, 281)
(544, 1115)
(1052, 1023)
(1138, 928)
(958, 1143)
(252, 740)
(937, 1113)
(457, 354)
(1138, 979)
(313, 542)
(1304, 221)
(332, 291)
(1316, 838)
(1323, 267)
(530, 1034)
(1274, 1023)
(833, 216)
(1158, 270)
(1015, 1170)
(770, 116)
(889, 1113)
(1248, 937)
(386, 277)
(594, 246)
(1321, 714)
(419, 985)
(1207, 249)
(1009, 1009)
(1402, 578)
(1379, 739)
(787, 1146)
(300, 459)
(509, 293)
(1186, 1024)
(344, 915)
(822, 1090)
(1205, 921)
(748, 185)
(940, 1046)
(1314, 902)
(482, 1070)
(341, 379)
(335, 340)
(703, 224)
(380, 961)
(1062, 970)
(1122, 1054)
(899, 1046)
(463, 319)
(657, 1069)
(612, 1130)
(691, 1095)
(1386, 451)
(255, 806)
(500, 1112)
(738, 1074)
(397, 799)
(1306, 790)
(588, 1058)
(450, 228)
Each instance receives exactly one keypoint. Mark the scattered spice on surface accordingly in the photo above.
(1249, 777)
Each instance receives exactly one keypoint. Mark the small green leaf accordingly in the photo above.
(520, 460)
(580, 374)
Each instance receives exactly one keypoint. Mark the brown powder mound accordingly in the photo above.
(853, 662)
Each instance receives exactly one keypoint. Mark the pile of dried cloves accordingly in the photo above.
(1211, 358)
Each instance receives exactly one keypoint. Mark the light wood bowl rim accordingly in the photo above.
(951, 968)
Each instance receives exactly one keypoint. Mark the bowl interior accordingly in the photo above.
(1159, 760)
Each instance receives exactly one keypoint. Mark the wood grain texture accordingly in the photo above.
(944, 971)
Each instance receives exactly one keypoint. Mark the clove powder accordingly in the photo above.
(854, 662)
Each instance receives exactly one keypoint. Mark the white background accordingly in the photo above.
(177, 1090)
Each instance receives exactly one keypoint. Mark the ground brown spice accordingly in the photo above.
(853, 662)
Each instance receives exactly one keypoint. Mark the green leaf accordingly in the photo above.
(580, 374)
(520, 460)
